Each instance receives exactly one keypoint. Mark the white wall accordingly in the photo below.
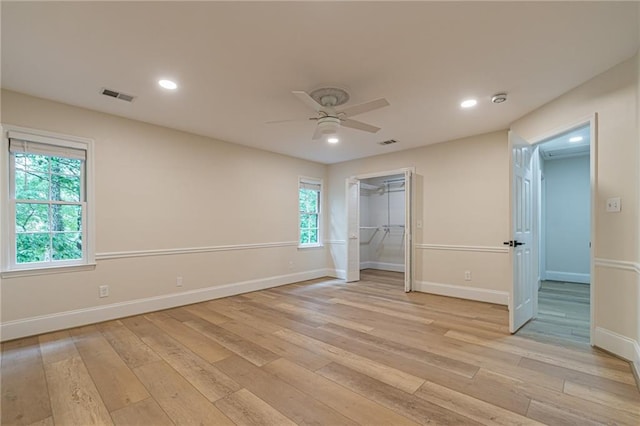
(161, 189)
(613, 96)
(567, 206)
(461, 198)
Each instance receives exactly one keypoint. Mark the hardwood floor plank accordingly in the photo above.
(606, 372)
(143, 413)
(181, 401)
(294, 353)
(440, 361)
(296, 405)
(25, 398)
(543, 368)
(603, 397)
(234, 343)
(203, 347)
(385, 374)
(210, 381)
(57, 346)
(383, 310)
(44, 422)
(246, 409)
(344, 401)
(319, 317)
(481, 411)
(74, 397)
(130, 348)
(551, 415)
(202, 311)
(403, 403)
(117, 384)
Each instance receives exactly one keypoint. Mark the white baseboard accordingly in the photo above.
(570, 277)
(45, 323)
(394, 267)
(337, 273)
(470, 293)
(618, 344)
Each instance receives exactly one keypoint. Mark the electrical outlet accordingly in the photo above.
(179, 282)
(613, 205)
(467, 275)
(291, 265)
(104, 291)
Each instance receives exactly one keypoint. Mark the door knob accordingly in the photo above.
(517, 243)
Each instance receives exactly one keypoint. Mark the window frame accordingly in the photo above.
(9, 263)
(312, 181)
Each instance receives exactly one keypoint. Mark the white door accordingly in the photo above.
(521, 244)
(353, 230)
(408, 243)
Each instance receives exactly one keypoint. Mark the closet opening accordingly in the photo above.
(379, 227)
(382, 225)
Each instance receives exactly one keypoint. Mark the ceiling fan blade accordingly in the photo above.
(365, 107)
(317, 134)
(359, 125)
(307, 100)
(290, 121)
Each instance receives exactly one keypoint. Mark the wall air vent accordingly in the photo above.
(389, 142)
(117, 95)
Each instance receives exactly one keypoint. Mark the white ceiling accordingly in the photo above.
(237, 63)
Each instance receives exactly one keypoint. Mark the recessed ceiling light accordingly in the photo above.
(168, 84)
(333, 139)
(468, 103)
(575, 139)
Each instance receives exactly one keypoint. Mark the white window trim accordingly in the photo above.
(315, 181)
(7, 220)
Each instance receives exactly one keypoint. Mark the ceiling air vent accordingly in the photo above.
(389, 142)
(117, 95)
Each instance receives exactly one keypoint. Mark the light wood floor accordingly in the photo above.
(319, 352)
(563, 314)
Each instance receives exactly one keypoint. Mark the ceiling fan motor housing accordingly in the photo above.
(328, 125)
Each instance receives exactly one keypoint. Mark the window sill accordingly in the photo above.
(19, 273)
(307, 246)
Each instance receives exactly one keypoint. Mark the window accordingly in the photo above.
(48, 209)
(309, 195)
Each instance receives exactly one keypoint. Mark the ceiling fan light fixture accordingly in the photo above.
(328, 125)
(333, 139)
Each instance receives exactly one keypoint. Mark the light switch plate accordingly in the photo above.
(613, 205)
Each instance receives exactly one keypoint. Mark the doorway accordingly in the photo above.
(379, 210)
(563, 181)
(382, 224)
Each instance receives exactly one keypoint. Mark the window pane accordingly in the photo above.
(308, 200)
(32, 162)
(67, 246)
(308, 220)
(31, 186)
(304, 236)
(32, 248)
(65, 188)
(32, 217)
(66, 166)
(313, 236)
(66, 218)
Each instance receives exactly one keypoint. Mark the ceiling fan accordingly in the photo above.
(329, 118)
